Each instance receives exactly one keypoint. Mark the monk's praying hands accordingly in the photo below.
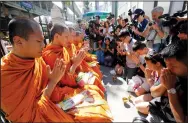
(54, 76)
(77, 60)
(58, 71)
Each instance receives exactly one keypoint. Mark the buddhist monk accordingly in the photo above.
(61, 47)
(25, 87)
(28, 83)
(75, 46)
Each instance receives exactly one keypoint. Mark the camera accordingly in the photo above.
(130, 12)
(135, 36)
(173, 24)
(151, 23)
(133, 23)
(170, 21)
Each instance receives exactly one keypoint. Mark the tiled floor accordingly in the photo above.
(115, 91)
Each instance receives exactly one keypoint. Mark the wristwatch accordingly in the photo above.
(172, 91)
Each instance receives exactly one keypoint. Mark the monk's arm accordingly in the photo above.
(49, 89)
(54, 76)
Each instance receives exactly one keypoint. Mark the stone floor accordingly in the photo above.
(122, 112)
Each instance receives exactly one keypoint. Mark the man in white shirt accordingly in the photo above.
(130, 68)
(141, 51)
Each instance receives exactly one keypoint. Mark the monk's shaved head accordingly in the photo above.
(57, 28)
(21, 27)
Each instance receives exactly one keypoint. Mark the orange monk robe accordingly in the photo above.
(85, 66)
(93, 113)
(22, 82)
(96, 113)
(52, 52)
(88, 58)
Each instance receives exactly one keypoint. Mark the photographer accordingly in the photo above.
(161, 31)
(139, 28)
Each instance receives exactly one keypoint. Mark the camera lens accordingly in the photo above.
(150, 24)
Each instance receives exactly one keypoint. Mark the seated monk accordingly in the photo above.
(58, 49)
(75, 46)
(78, 40)
(25, 88)
(61, 48)
(90, 58)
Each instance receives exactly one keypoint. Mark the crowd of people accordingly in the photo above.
(140, 50)
(150, 56)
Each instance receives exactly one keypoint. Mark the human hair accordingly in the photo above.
(138, 46)
(106, 38)
(112, 15)
(177, 50)
(156, 58)
(118, 26)
(21, 27)
(106, 22)
(71, 28)
(124, 34)
(126, 20)
(98, 17)
(57, 28)
(183, 27)
(158, 9)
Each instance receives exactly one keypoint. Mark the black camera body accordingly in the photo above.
(173, 24)
(151, 23)
(137, 37)
(130, 12)
(171, 20)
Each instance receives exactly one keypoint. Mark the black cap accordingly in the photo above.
(138, 12)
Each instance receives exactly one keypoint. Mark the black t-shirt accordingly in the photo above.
(181, 88)
(108, 53)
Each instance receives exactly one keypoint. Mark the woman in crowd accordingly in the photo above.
(99, 51)
(155, 63)
(107, 30)
(108, 53)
